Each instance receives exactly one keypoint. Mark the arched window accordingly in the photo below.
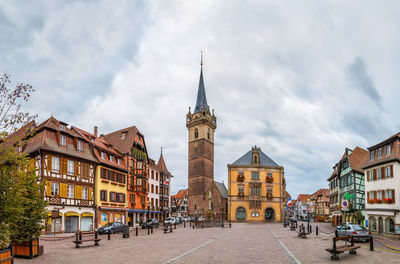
(208, 134)
(372, 223)
(255, 159)
(196, 133)
(241, 213)
(389, 223)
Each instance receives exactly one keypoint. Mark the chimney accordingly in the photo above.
(95, 131)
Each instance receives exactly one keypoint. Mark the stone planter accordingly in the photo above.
(6, 256)
(28, 249)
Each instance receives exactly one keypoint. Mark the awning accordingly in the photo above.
(143, 211)
(87, 215)
(49, 214)
(71, 214)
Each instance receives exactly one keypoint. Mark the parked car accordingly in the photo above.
(178, 220)
(150, 223)
(169, 221)
(114, 227)
(185, 219)
(358, 232)
(201, 218)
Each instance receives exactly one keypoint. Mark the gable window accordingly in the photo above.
(119, 161)
(379, 154)
(371, 155)
(62, 127)
(70, 191)
(255, 175)
(63, 140)
(103, 156)
(55, 188)
(80, 146)
(71, 167)
(55, 164)
(388, 149)
(123, 135)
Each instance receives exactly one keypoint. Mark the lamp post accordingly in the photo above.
(148, 210)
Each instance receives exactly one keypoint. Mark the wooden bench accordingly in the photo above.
(81, 237)
(336, 250)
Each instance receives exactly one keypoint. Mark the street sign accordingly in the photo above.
(345, 205)
(309, 209)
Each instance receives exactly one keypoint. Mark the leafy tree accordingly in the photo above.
(21, 203)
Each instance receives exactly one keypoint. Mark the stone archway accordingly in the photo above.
(269, 215)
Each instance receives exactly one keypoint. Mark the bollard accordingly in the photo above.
(202, 226)
(222, 223)
(184, 224)
(310, 231)
(336, 233)
(109, 234)
(137, 231)
(190, 223)
(230, 224)
(148, 230)
(152, 229)
(175, 225)
(316, 230)
(193, 225)
(371, 243)
(170, 228)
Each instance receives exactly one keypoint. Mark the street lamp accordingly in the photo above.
(148, 210)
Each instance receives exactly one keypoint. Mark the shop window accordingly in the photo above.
(372, 223)
(389, 223)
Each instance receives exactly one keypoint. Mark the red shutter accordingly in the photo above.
(391, 171)
(374, 175)
(383, 173)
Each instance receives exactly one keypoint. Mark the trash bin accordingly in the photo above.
(125, 231)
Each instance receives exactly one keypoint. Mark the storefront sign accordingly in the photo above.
(55, 214)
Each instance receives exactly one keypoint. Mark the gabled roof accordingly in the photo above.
(246, 159)
(222, 189)
(303, 198)
(101, 145)
(180, 196)
(357, 158)
(123, 144)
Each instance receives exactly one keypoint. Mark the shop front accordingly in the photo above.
(109, 215)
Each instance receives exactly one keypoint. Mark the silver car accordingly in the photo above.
(358, 232)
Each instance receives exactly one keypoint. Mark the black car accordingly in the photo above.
(113, 227)
(150, 223)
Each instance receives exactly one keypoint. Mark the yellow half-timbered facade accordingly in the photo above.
(256, 188)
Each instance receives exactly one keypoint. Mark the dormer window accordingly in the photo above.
(371, 155)
(62, 127)
(111, 158)
(103, 156)
(63, 140)
(388, 149)
(80, 146)
(256, 158)
(379, 152)
(123, 135)
(119, 161)
(109, 146)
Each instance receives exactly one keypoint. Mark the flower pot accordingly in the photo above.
(6, 256)
(27, 249)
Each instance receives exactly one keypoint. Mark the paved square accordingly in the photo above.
(243, 243)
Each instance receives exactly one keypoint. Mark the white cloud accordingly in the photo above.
(276, 73)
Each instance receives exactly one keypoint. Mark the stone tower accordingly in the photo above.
(201, 126)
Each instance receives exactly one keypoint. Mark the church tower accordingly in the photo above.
(201, 126)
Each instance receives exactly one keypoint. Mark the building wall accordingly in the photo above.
(276, 203)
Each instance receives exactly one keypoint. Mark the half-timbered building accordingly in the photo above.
(130, 142)
(110, 180)
(66, 163)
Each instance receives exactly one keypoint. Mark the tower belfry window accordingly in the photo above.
(196, 133)
(208, 134)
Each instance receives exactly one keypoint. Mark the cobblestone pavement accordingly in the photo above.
(243, 243)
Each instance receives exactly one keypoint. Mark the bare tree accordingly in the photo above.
(11, 100)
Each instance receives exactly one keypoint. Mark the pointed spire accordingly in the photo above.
(201, 93)
(161, 163)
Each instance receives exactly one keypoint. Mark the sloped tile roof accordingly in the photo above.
(125, 144)
(357, 159)
(222, 189)
(161, 164)
(246, 159)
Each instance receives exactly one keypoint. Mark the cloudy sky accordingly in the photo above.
(301, 79)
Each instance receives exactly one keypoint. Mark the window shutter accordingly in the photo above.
(367, 175)
(383, 195)
(48, 188)
(391, 171)
(63, 190)
(374, 175)
(383, 172)
(90, 193)
(393, 197)
(49, 160)
(76, 169)
(375, 196)
(78, 192)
